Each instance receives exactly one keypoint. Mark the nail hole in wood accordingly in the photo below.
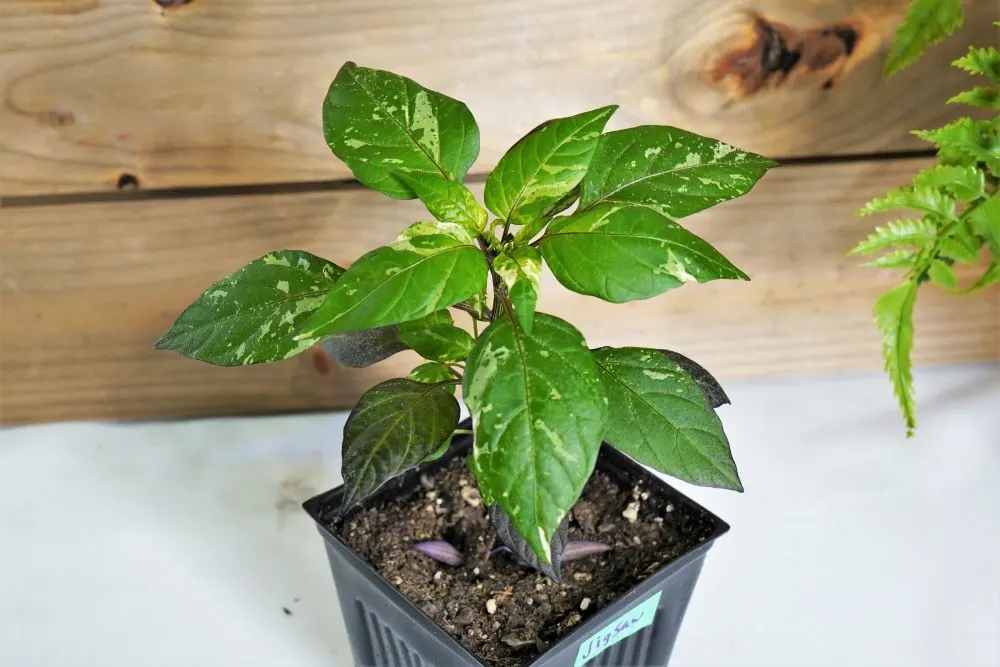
(127, 181)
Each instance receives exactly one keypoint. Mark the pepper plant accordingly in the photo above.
(541, 400)
(954, 206)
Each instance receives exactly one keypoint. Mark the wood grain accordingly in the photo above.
(220, 92)
(86, 289)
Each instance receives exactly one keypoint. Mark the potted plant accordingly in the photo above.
(516, 538)
(954, 206)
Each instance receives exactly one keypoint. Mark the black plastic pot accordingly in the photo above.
(638, 630)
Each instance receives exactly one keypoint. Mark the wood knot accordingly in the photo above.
(776, 53)
(170, 4)
(57, 118)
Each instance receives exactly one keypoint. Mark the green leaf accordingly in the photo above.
(250, 316)
(964, 183)
(927, 200)
(960, 245)
(431, 373)
(442, 450)
(894, 318)
(544, 166)
(522, 550)
(897, 259)
(432, 266)
(981, 61)
(985, 221)
(709, 385)
(659, 415)
(906, 232)
(672, 171)
(440, 342)
(927, 22)
(987, 98)
(478, 303)
(620, 253)
(394, 426)
(965, 141)
(360, 349)
(539, 410)
(990, 277)
(943, 275)
(521, 272)
(381, 124)
(447, 201)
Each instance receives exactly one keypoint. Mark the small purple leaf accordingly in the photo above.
(502, 547)
(440, 551)
(577, 549)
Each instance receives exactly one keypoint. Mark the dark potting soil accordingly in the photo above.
(501, 612)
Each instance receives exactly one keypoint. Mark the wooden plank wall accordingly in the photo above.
(198, 104)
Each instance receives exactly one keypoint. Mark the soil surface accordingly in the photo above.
(503, 613)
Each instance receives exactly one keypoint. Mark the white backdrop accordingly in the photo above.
(179, 544)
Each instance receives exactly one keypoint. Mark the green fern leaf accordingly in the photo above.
(991, 277)
(927, 22)
(941, 273)
(897, 259)
(927, 200)
(964, 183)
(965, 142)
(906, 232)
(981, 61)
(985, 221)
(894, 317)
(987, 98)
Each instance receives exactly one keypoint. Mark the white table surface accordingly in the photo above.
(178, 544)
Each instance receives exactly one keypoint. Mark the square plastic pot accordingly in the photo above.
(638, 630)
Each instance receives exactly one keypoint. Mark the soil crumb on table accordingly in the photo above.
(503, 613)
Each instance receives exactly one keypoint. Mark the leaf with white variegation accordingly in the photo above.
(541, 169)
(394, 426)
(539, 410)
(250, 316)
(431, 266)
(447, 201)
(432, 372)
(521, 272)
(623, 253)
(382, 124)
(659, 415)
(672, 171)
(894, 318)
